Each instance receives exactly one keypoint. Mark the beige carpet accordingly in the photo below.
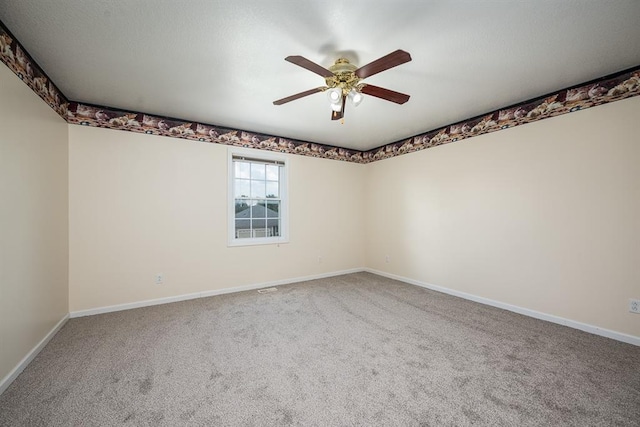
(345, 351)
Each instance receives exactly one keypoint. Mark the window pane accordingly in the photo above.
(258, 189)
(242, 169)
(273, 209)
(242, 209)
(272, 189)
(273, 173)
(259, 225)
(257, 171)
(242, 188)
(243, 228)
(258, 211)
(273, 227)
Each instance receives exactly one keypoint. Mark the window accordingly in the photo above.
(257, 198)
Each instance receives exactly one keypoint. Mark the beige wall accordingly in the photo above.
(142, 205)
(545, 216)
(33, 220)
(542, 216)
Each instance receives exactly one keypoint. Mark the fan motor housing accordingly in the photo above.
(342, 66)
(344, 74)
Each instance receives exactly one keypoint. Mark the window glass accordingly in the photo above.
(243, 188)
(272, 209)
(272, 172)
(258, 171)
(243, 169)
(258, 189)
(273, 189)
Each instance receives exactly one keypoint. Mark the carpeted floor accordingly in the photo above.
(351, 350)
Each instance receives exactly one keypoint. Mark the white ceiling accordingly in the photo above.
(222, 62)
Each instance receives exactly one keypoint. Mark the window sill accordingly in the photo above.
(256, 242)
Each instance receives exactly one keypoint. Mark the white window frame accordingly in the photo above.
(231, 199)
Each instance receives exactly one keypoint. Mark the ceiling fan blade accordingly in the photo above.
(388, 61)
(386, 94)
(298, 95)
(337, 115)
(311, 66)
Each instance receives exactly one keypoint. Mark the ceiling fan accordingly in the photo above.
(343, 80)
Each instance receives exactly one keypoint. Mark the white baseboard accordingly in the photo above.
(8, 379)
(596, 330)
(204, 294)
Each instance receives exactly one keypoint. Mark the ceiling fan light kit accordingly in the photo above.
(355, 97)
(334, 95)
(343, 80)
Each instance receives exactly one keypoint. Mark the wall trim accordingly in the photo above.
(585, 327)
(205, 294)
(13, 374)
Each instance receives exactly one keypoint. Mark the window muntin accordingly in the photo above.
(257, 198)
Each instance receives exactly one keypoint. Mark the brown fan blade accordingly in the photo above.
(337, 115)
(386, 94)
(389, 61)
(311, 66)
(298, 95)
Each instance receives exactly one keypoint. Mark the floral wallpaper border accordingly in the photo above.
(20, 62)
(607, 89)
(612, 88)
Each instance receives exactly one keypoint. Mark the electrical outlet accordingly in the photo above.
(387, 259)
(159, 279)
(319, 260)
(634, 306)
